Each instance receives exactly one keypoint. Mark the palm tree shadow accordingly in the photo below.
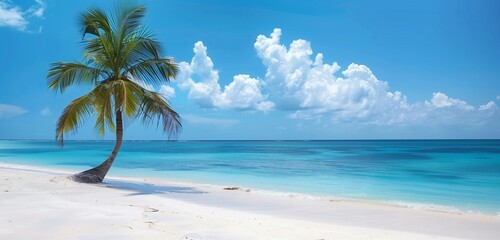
(148, 188)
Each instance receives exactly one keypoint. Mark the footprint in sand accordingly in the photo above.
(191, 236)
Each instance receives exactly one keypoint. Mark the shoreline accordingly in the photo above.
(238, 213)
(423, 175)
(420, 206)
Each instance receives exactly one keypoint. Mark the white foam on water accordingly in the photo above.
(285, 194)
(428, 207)
(412, 205)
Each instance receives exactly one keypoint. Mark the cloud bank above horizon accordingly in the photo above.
(298, 82)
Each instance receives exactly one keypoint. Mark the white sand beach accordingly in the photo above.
(38, 203)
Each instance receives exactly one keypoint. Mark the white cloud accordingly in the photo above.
(440, 100)
(38, 10)
(298, 81)
(201, 81)
(167, 91)
(244, 93)
(7, 111)
(301, 83)
(219, 122)
(13, 16)
(312, 88)
(488, 106)
(45, 111)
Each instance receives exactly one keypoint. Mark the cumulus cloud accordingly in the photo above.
(201, 81)
(300, 82)
(13, 16)
(45, 111)
(488, 106)
(440, 100)
(8, 111)
(167, 91)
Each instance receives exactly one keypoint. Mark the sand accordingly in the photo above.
(38, 203)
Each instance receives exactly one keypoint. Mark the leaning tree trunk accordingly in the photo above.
(97, 174)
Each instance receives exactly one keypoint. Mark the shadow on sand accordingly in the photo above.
(148, 188)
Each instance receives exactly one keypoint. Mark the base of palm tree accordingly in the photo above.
(86, 177)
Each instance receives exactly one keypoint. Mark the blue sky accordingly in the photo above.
(279, 69)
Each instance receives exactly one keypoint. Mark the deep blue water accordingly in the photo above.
(461, 174)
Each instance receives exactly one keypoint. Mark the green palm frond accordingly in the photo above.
(126, 21)
(103, 105)
(139, 46)
(95, 51)
(116, 49)
(135, 100)
(155, 107)
(74, 114)
(95, 22)
(154, 71)
(127, 96)
(129, 18)
(62, 75)
(147, 45)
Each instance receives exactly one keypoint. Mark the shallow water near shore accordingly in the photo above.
(440, 175)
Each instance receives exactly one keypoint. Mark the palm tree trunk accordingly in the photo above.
(97, 174)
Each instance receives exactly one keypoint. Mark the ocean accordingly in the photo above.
(440, 175)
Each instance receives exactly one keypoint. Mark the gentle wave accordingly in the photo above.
(429, 207)
(285, 194)
(439, 208)
(412, 205)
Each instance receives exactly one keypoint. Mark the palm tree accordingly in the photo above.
(118, 51)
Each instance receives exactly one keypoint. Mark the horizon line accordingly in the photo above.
(302, 140)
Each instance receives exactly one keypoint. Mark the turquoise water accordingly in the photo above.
(454, 175)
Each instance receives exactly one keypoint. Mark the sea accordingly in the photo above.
(459, 176)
